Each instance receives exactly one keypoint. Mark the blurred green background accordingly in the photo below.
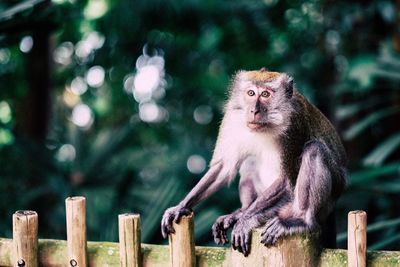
(120, 101)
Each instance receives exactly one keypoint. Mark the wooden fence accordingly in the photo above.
(303, 250)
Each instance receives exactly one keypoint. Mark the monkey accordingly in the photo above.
(291, 161)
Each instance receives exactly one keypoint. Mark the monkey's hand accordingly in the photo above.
(173, 214)
(221, 225)
(241, 235)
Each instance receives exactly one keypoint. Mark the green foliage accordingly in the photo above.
(138, 93)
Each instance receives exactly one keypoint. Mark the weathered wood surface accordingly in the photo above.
(357, 239)
(25, 238)
(129, 240)
(52, 253)
(296, 251)
(181, 243)
(76, 231)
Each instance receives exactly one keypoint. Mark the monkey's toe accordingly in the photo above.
(272, 232)
(166, 225)
(220, 227)
(219, 235)
(241, 237)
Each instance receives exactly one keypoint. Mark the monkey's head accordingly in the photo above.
(264, 97)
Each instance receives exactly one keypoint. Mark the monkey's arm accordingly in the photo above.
(209, 184)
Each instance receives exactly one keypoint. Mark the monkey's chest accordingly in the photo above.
(269, 167)
(268, 161)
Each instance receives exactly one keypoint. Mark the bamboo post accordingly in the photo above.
(181, 244)
(25, 239)
(76, 231)
(129, 240)
(357, 239)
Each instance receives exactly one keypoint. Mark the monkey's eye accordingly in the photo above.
(265, 94)
(251, 93)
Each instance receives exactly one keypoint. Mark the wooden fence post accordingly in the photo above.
(181, 244)
(290, 251)
(25, 239)
(129, 240)
(76, 231)
(357, 239)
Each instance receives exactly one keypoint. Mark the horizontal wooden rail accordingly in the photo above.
(297, 250)
(54, 252)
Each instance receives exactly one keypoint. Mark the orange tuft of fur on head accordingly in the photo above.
(261, 75)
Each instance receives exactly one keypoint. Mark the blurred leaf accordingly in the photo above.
(369, 120)
(382, 151)
(388, 187)
(361, 69)
(204, 221)
(369, 174)
(383, 224)
(166, 192)
(384, 242)
(347, 111)
(388, 74)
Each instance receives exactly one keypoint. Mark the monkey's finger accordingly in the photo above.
(163, 233)
(217, 234)
(271, 225)
(246, 244)
(177, 217)
(164, 228)
(224, 238)
(227, 223)
(233, 241)
(239, 244)
(217, 238)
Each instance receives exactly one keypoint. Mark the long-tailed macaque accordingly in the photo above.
(291, 161)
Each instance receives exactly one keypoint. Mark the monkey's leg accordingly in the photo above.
(264, 207)
(247, 192)
(312, 195)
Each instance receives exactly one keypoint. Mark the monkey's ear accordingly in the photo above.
(287, 83)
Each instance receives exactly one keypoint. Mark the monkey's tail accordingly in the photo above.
(328, 235)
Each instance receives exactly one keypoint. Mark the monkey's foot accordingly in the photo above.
(173, 214)
(241, 235)
(277, 228)
(220, 227)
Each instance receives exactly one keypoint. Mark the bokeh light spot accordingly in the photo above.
(66, 153)
(203, 114)
(95, 9)
(95, 76)
(151, 112)
(26, 44)
(6, 137)
(82, 116)
(5, 112)
(78, 86)
(62, 54)
(196, 164)
(4, 55)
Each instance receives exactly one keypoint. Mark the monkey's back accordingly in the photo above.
(308, 124)
(319, 127)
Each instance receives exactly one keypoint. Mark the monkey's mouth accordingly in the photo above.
(256, 125)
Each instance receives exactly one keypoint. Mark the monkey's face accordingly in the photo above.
(265, 99)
